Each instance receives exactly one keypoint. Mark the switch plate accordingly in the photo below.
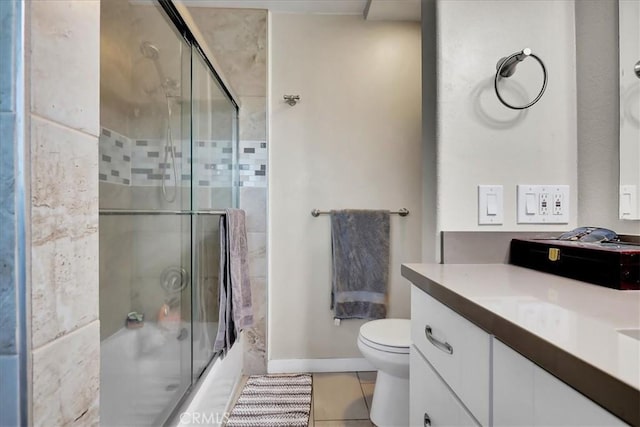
(490, 205)
(628, 202)
(543, 204)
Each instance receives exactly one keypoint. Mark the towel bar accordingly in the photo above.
(401, 212)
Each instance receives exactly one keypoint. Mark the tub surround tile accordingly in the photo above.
(65, 50)
(257, 245)
(117, 96)
(66, 375)
(252, 163)
(338, 396)
(255, 360)
(258, 298)
(254, 202)
(238, 37)
(114, 196)
(64, 176)
(64, 295)
(116, 259)
(64, 230)
(253, 118)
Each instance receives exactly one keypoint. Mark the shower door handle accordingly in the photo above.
(636, 69)
(183, 334)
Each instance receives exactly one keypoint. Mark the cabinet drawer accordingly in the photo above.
(432, 403)
(458, 350)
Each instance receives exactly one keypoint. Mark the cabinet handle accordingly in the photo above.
(427, 420)
(444, 346)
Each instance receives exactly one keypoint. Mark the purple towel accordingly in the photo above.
(236, 313)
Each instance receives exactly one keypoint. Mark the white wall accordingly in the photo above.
(353, 141)
(482, 142)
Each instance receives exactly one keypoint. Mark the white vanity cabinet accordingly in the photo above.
(461, 375)
(526, 395)
(459, 353)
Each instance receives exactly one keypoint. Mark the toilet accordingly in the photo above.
(385, 344)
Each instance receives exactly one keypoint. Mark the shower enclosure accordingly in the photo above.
(168, 150)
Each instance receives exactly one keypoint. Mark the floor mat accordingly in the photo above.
(273, 400)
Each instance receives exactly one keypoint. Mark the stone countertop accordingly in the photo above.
(584, 334)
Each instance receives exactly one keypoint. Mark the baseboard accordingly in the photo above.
(290, 366)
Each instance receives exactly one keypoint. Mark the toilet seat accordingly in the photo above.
(388, 335)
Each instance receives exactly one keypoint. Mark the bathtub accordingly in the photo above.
(142, 375)
(145, 373)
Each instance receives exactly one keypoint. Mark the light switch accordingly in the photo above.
(628, 202)
(490, 205)
(532, 203)
(625, 203)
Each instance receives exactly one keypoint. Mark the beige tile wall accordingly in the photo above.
(63, 60)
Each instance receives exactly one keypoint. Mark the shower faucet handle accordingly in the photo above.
(183, 334)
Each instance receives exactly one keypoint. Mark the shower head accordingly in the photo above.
(149, 50)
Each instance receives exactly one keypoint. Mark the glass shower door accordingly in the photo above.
(145, 215)
(214, 144)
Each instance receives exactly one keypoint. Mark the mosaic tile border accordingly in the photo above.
(252, 163)
(115, 157)
(141, 162)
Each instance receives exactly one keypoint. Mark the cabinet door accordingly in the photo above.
(557, 404)
(512, 387)
(432, 403)
(526, 395)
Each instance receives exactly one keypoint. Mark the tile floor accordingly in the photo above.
(342, 399)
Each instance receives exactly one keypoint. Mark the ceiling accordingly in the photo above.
(375, 10)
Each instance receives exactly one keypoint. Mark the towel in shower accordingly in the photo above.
(360, 256)
(236, 313)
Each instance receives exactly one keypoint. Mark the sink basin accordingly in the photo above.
(633, 333)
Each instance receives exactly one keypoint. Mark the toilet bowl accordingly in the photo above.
(385, 344)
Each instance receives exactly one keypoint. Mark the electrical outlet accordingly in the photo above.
(543, 208)
(543, 204)
(558, 203)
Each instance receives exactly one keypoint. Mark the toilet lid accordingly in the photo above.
(388, 332)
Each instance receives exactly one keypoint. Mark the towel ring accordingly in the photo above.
(507, 66)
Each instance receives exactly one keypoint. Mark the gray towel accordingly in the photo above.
(235, 288)
(360, 255)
